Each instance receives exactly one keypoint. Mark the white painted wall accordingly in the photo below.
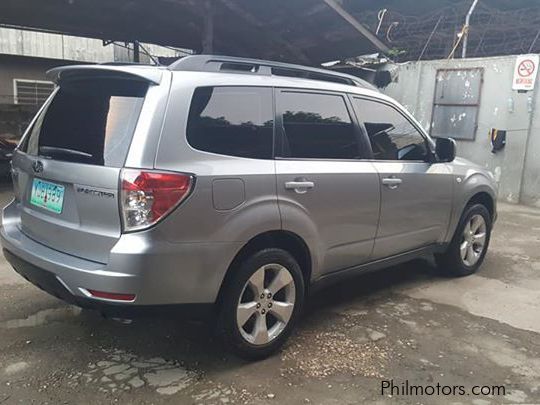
(517, 167)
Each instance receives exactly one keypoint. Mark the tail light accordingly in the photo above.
(148, 196)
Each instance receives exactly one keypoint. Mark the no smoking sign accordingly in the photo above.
(526, 68)
(525, 72)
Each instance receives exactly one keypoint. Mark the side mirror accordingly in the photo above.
(445, 148)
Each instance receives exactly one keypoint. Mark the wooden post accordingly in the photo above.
(136, 52)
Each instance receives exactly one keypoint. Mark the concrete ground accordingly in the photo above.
(404, 323)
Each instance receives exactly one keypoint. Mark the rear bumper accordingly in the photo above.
(159, 273)
(51, 284)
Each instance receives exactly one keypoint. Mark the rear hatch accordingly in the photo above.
(67, 169)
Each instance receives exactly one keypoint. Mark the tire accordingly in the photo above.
(451, 262)
(249, 341)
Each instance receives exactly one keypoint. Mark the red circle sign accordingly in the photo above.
(526, 68)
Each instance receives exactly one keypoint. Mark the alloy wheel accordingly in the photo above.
(473, 240)
(266, 304)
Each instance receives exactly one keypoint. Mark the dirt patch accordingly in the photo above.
(321, 354)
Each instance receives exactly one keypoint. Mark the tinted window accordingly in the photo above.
(317, 126)
(89, 122)
(236, 121)
(391, 134)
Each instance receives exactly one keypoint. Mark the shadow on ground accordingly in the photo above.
(194, 344)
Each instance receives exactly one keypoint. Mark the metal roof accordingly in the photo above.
(303, 31)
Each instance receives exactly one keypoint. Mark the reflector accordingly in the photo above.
(112, 296)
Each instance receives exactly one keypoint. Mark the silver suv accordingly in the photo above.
(234, 186)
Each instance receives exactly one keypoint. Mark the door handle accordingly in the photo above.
(392, 182)
(300, 187)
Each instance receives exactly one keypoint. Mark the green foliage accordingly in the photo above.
(394, 52)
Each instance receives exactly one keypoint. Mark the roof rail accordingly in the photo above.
(126, 64)
(218, 63)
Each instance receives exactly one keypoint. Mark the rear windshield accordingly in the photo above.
(89, 121)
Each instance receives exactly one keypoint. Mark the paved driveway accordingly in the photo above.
(403, 324)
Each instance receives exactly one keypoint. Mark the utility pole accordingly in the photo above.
(208, 33)
(466, 30)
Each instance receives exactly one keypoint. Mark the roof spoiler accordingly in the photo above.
(148, 74)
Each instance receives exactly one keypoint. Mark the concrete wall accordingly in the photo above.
(18, 67)
(530, 184)
(14, 118)
(56, 46)
(517, 167)
(69, 48)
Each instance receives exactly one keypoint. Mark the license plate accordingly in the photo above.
(47, 195)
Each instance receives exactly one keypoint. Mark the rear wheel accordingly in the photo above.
(469, 245)
(261, 304)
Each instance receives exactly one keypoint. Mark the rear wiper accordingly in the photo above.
(63, 151)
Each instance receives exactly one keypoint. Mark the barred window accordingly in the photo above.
(32, 92)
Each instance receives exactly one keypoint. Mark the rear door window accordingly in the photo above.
(234, 121)
(89, 121)
(317, 126)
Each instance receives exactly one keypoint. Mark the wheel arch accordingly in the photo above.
(482, 194)
(281, 239)
(485, 199)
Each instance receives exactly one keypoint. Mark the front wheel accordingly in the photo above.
(469, 245)
(261, 304)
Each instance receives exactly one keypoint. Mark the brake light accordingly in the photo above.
(148, 196)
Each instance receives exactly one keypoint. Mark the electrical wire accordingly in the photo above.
(380, 17)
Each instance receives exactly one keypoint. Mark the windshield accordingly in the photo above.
(88, 121)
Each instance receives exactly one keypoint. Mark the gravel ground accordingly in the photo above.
(403, 323)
